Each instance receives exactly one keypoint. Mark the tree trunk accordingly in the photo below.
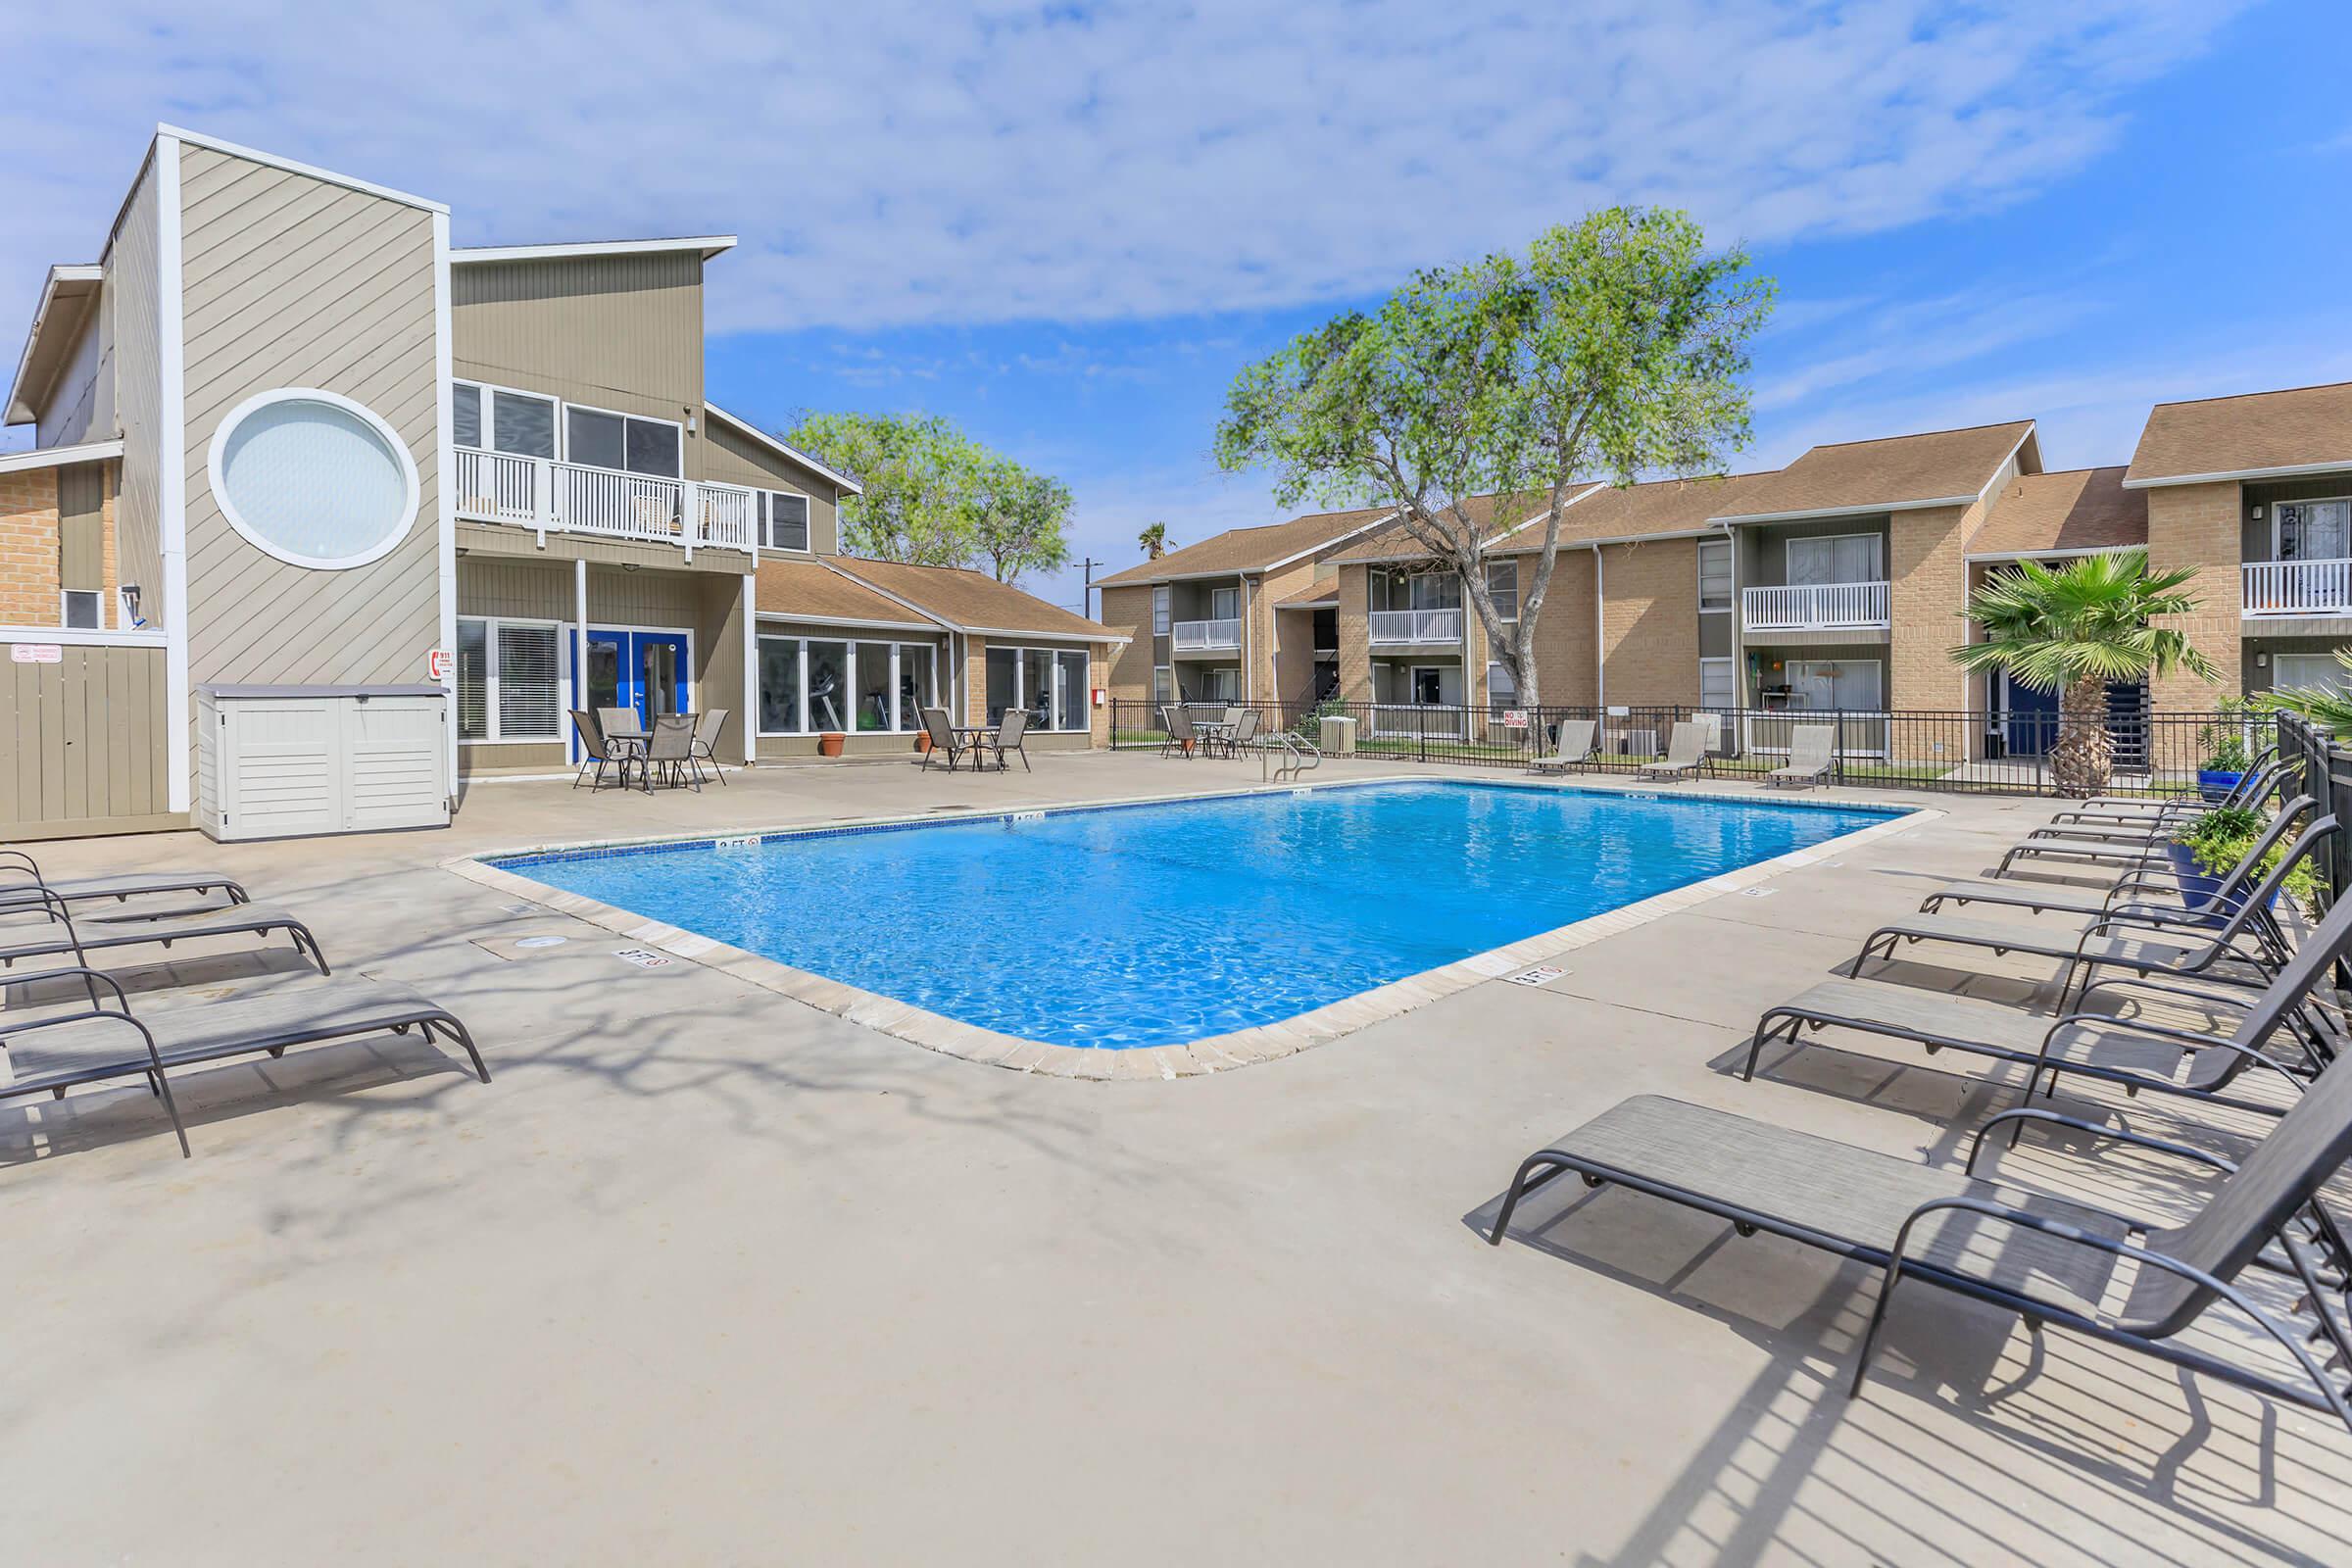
(2082, 762)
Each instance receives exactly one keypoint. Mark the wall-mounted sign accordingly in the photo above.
(36, 653)
(1514, 718)
(436, 665)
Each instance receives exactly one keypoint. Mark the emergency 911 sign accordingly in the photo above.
(436, 665)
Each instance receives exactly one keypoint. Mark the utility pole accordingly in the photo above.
(1086, 594)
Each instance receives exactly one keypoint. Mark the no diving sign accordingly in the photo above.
(36, 653)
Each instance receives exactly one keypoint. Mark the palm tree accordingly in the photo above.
(1154, 540)
(2074, 632)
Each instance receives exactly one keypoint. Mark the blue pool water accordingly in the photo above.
(1156, 925)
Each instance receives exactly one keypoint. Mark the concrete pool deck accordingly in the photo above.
(710, 1275)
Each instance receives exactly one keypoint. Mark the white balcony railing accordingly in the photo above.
(1193, 636)
(551, 497)
(2298, 587)
(1815, 607)
(1416, 626)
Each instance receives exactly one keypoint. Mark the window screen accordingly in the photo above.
(593, 438)
(784, 521)
(473, 680)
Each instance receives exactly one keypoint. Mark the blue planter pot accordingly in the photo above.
(2216, 787)
(2196, 888)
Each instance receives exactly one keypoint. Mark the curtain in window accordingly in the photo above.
(473, 680)
(1849, 684)
(2314, 530)
(2311, 672)
(1846, 557)
(1502, 692)
(530, 699)
(1714, 575)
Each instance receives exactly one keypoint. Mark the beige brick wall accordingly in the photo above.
(1565, 655)
(2198, 525)
(1129, 611)
(28, 563)
(1929, 575)
(1649, 621)
(1355, 633)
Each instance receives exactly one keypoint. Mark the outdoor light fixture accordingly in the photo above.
(129, 594)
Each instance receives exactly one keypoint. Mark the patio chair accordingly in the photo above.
(60, 933)
(1573, 748)
(1243, 734)
(669, 749)
(1812, 753)
(1007, 740)
(122, 886)
(943, 739)
(1685, 752)
(1182, 739)
(2090, 844)
(52, 1053)
(595, 752)
(2045, 1259)
(2132, 1052)
(2044, 898)
(707, 726)
(2145, 939)
(2252, 786)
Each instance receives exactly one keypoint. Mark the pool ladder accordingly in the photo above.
(1296, 755)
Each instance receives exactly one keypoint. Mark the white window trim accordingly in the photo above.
(65, 597)
(1511, 619)
(1791, 668)
(1733, 664)
(359, 411)
(1730, 577)
(1085, 702)
(901, 721)
(807, 523)
(565, 685)
(490, 417)
(1878, 547)
(1413, 685)
(2335, 678)
(563, 436)
(2299, 501)
(1163, 610)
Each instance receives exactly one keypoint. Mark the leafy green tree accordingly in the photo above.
(916, 472)
(1019, 520)
(1154, 540)
(1476, 398)
(2074, 632)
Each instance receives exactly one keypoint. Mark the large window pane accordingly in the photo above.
(873, 686)
(1715, 575)
(779, 685)
(466, 413)
(1074, 695)
(1003, 668)
(1037, 687)
(1502, 586)
(523, 426)
(654, 448)
(1842, 557)
(530, 702)
(786, 520)
(1160, 610)
(916, 690)
(473, 680)
(593, 438)
(828, 686)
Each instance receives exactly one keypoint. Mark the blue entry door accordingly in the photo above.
(647, 670)
(2030, 720)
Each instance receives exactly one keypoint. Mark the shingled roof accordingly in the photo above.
(1939, 467)
(971, 601)
(2304, 429)
(1249, 549)
(2054, 514)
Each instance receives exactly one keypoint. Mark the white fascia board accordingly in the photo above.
(1868, 509)
(20, 411)
(1339, 539)
(2291, 471)
(791, 452)
(901, 599)
(197, 139)
(1106, 635)
(1594, 489)
(709, 245)
(445, 485)
(786, 617)
(59, 456)
(2068, 553)
(171, 479)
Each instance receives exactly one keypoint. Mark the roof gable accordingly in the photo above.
(1894, 473)
(2078, 512)
(2304, 429)
(1239, 550)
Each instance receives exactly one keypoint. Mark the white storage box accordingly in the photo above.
(275, 761)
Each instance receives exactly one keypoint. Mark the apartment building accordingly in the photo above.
(1839, 582)
(326, 515)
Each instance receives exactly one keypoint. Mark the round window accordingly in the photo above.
(314, 479)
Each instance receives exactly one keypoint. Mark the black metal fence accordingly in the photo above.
(1994, 753)
(2326, 777)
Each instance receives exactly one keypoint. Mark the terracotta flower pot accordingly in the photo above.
(830, 742)
(922, 742)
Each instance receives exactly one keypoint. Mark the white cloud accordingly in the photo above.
(889, 165)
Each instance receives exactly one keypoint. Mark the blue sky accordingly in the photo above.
(1067, 227)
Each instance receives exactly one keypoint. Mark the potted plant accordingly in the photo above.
(2226, 754)
(830, 743)
(2213, 845)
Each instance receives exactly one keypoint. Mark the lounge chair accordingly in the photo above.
(60, 933)
(1812, 753)
(595, 752)
(2049, 1260)
(1573, 748)
(97, 1044)
(943, 739)
(2056, 898)
(1241, 734)
(1007, 741)
(2145, 939)
(121, 887)
(2251, 787)
(707, 726)
(1685, 752)
(1182, 739)
(670, 750)
(2135, 1053)
(2080, 846)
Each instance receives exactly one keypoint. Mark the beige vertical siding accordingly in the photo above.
(82, 743)
(132, 299)
(290, 282)
(734, 459)
(621, 332)
(81, 526)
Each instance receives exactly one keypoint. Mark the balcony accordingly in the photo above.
(1416, 627)
(548, 497)
(1204, 636)
(1816, 607)
(2298, 588)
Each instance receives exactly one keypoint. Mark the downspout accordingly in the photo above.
(1600, 645)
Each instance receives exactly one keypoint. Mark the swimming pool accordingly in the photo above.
(1117, 927)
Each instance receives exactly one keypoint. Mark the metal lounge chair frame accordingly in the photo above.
(163, 928)
(703, 747)
(2256, 1218)
(1565, 754)
(2251, 786)
(595, 753)
(186, 1036)
(1812, 754)
(1685, 752)
(2131, 847)
(121, 887)
(1241, 734)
